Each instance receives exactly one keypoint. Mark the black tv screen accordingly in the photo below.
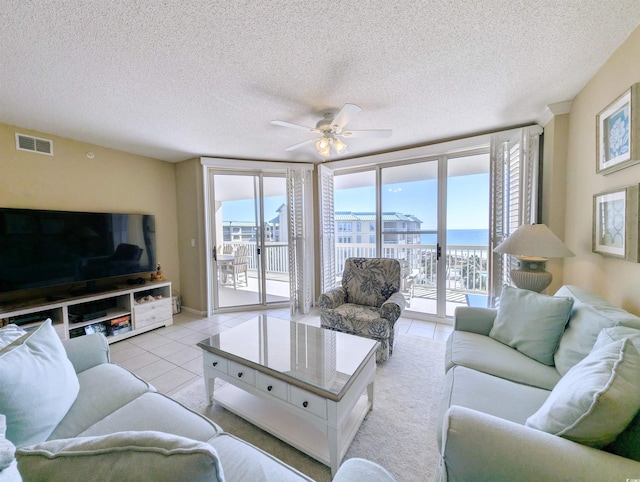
(41, 248)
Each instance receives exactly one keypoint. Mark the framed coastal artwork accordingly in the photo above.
(618, 140)
(616, 224)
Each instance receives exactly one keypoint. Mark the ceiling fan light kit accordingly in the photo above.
(331, 128)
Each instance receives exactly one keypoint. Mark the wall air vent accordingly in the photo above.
(34, 144)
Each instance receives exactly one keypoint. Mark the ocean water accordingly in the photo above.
(461, 237)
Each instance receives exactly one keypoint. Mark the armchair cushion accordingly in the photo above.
(596, 399)
(531, 323)
(370, 281)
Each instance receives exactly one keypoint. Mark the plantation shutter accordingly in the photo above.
(514, 195)
(299, 202)
(327, 229)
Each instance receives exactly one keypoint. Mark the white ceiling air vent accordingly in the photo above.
(34, 144)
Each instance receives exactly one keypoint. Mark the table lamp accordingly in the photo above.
(533, 245)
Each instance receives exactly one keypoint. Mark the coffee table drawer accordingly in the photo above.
(308, 401)
(272, 386)
(242, 373)
(216, 362)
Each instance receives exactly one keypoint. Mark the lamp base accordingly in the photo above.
(531, 274)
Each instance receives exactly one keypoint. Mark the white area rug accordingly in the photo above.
(399, 434)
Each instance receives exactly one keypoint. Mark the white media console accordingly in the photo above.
(119, 313)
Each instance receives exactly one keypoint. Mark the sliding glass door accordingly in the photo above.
(430, 214)
(409, 229)
(249, 239)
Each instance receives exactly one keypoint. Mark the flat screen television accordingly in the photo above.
(40, 248)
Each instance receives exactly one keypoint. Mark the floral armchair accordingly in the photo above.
(368, 303)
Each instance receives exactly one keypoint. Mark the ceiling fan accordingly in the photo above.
(331, 131)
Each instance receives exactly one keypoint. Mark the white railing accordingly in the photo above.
(466, 266)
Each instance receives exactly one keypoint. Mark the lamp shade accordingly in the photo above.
(534, 240)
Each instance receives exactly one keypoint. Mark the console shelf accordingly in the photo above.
(119, 313)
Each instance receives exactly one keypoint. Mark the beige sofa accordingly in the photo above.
(508, 416)
(75, 416)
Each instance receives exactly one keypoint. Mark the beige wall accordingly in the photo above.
(554, 181)
(191, 235)
(113, 181)
(613, 279)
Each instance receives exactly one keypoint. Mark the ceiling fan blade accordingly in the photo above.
(348, 112)
(295, 126)
(379, 133)
(300, 144)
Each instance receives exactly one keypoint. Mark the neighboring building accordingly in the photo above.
(360, 228)
(244, 231)
(275, 230)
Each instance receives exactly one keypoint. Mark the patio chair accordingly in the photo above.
(238, 266)
(368, 303)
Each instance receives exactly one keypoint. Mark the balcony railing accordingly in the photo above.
(466, 266)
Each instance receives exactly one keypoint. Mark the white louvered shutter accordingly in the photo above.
(327, 228)
(299, 201)
(514, 195)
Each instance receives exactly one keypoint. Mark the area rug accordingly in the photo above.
(400, 432)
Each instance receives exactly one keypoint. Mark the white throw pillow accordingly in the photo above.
(9, 334)
(531, 323)
(596, 399)
(38, 385)
(143, 455)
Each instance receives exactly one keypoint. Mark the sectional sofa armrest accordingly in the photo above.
(473, 319)
(332, 298)
(392, 308)
(481, 447)
(87, 351)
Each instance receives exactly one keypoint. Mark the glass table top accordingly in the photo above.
(295, 352)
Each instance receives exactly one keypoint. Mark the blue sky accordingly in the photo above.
(467, 204)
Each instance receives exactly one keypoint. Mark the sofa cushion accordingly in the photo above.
(7, 449)
(243, 461)
(34, 409)
(589, 315)
(596, 399)
(155, 411)
(617, 333)
(489, 394)
(531, 323)
(487, 355)
(103, 389)
(127, 455)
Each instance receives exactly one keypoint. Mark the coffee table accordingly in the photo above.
(308, 386)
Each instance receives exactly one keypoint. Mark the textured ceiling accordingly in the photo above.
(176, 79)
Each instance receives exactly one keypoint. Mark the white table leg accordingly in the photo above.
(370, 397)
(333, 435)
(209, 385)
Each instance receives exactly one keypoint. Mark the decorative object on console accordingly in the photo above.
(533, 244)
(615, 223)
(157, 276)
(618, 141)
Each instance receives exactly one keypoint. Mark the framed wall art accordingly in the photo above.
(616, 224)
(618, 142)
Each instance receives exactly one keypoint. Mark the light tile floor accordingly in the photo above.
(169, 359)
